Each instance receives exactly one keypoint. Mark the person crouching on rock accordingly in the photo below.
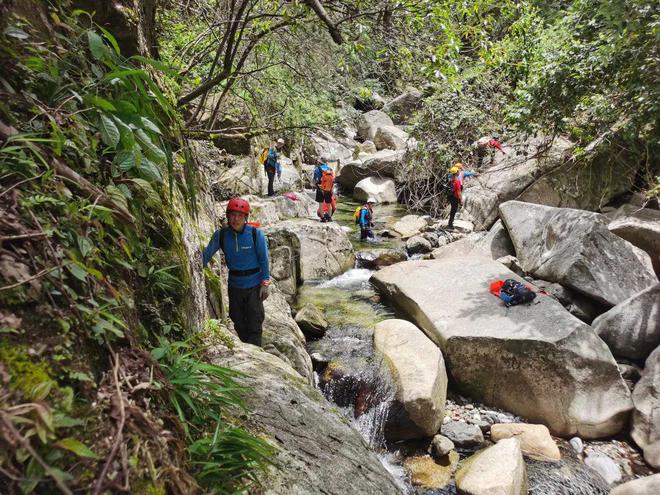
(246, 254)
(454, 195)
(366, 220)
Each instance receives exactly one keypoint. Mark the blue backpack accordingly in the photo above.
(514, 292)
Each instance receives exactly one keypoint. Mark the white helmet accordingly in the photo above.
(280, 141)
(371, 200)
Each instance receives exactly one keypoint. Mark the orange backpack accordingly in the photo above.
(327, 180)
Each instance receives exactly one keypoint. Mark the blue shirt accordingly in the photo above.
(241, 253)
(365, 217)
(273, 161)
(318, 172)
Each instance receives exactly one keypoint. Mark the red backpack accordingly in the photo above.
(327, 180)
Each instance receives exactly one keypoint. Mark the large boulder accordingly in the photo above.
(575, 249)
(325, 249)
(409, 225)
(631, 329)
(298, 420)
(384, 163)
(499, 469)
(646, 416)
(535, 440)
(284, 251)
(521, 358)
(640, 227)
(649, 485)
(418, 244)
(390, 137)
(378, 258)
(269, 211)
(282, 336)
(383, 190)
(327, 147)
(368, 123)
(418, 370)
(404, 106)
(291, 179)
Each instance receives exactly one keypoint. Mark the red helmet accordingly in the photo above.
(239, 205)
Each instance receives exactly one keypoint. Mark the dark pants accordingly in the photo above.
(246, 310)
(271, 179)
(366, 232)
(454, 208)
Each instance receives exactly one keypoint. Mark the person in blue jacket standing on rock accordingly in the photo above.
(273, 164)
(246, 254)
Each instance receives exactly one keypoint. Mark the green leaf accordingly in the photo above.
(109, 132)
(150, 171)
(155, 64)
(150, 149)
(148, 124)
(127, 159)
(77, 447)
(15, 32)
(110, 38)
(96, 45)
(101, 103)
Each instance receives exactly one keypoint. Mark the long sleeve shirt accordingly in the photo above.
(457, 187)
(273, 161)
(242, 254)
(365, 218)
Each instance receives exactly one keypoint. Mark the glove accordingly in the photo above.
(264, 291)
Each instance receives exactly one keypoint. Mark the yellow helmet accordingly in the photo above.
(454, 170)
(458, 165)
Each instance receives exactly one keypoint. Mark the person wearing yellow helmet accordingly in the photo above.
(454, 196)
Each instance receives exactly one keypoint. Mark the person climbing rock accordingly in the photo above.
(454, 195)
(366, 220)
(462, 174)
(273, 165)
(323, 180)
(246, 255)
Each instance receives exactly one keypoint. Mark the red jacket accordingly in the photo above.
(457, 188)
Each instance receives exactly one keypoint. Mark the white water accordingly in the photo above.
(353, 279)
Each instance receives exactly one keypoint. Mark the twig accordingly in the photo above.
(19, 183)
(40, 274)
(22, 236)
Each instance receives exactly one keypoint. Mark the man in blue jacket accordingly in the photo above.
(246, 254)
(366, 220)
(273, 165)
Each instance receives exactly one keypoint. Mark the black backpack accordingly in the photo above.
(514, 292)
(447, 183)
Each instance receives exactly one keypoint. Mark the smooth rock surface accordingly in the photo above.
(298, 420)
(631, 329)
(649, 485)
(384, 163)
(575, 249)
(404, 106)
(383, 190)
(418, 371)
(605, 467)
(441, 445)
(390, 137)
(409, 225)
(378, 258)
(535, 440)
(640, 227)
(462, 434)
(497, 470)
(646, 416)
(418, 244)
(368, 123)
(311, 320)
(520, 359)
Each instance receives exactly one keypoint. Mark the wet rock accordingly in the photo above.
(575, 249)
(576, 445)
(535, 440)
(368, 123)
(404, 106)
(605, 467)
(649, 485)
(498, 469)
(390, 137)
(432, 238)
(521, 358)
(379, 258)
(418, 244)
(646, 416)
(425, 471)
(382, 190)
(631, 329)
(384, 163)
(640, 227)
(418, 371)
(409, 225)
(310, 320)
(440, 446)
(463, 435)
(296, 418)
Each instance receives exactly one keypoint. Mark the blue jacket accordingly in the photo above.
(273, 162)
(365, 218)
(241, 254)
(462, 175)
(318, 172)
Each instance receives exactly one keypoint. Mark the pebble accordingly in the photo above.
(576, 445)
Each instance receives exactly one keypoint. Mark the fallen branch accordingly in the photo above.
(40, 274)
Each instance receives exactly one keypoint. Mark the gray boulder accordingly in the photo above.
(575, 249)
(404, 106)
(462, 434)
(383, 190)
(284, 251)
(575, 303)
(298, 420)
(418, 244)
(521, 358)
(640, 227)
(311, 320)
(418, 370)
(327, 147)
(440, 446)
(646, 416)
(631, 329)
(384, 163)
(367, 147)
(649, 485)
(535, 440)
(390, 137)
(409, 225)
(368, 123)
(378, 258)
(605, 467)
(269, 211)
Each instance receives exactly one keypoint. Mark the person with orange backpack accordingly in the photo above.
(246, 255)
(324, 180)
(271, 162)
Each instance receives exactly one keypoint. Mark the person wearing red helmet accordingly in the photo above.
(246, 255)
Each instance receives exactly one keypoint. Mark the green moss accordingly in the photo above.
(32, 378)
(148, 488)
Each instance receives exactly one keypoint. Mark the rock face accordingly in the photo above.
(300, 421)
(390, 137)
(463, 434)
(535, 440)
(642, 229)
(327, 147)
(418, 370)
(499, 469)
(268, 211)
(381, 189)
(368, 123)
(404, 106)
(646, 416)
(520, 359)
(409, 225)
(575, 303)
(291, 179)
(378, 258)
(284, 251)
(649, 485)
(631, 329)
(384, 163)
(282, 336)
(575, 249)
(310, 319)
(325, 250)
